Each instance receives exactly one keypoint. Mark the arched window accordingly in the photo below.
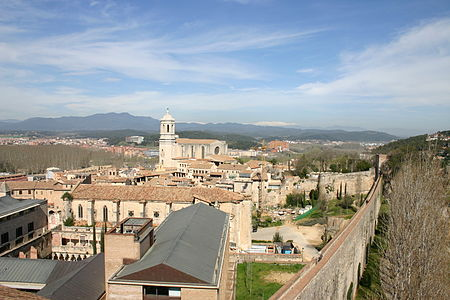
(217, 150)
(80, 211)
(168, 126)
(105, 214)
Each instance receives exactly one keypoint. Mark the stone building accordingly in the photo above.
(23, 226)
(112, 204)
(171, 146)
(187, 258)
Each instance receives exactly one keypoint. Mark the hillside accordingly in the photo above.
(123, 121)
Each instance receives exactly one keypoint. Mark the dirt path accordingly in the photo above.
(279, 277)
(291, 232)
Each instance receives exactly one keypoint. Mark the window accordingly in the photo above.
(29, 191)
(131, 213)
(19, 232)
(5, 238)
(156, 214)
(105, 214)
(162, 291)
(216, 150)
(20, 192)
(80, 211)
(30, 227)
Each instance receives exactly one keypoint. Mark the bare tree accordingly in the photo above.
(415, 263)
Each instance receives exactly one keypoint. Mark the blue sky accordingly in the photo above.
(369, 64)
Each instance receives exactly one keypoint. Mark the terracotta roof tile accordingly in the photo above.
(195, 141)
(7, 293)
(153, 193)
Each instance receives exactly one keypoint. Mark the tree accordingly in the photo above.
(415, 261)
(295, 200)
(69, 221)
(277, 238)
(102, 238)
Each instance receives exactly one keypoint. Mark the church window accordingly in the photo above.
(131, 213)
(168, 126)
(192, 151)
(105, 214)
(203, 151)
(80, 211)
(217, 150)
(156, 214)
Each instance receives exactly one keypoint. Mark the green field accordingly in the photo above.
(250, 283)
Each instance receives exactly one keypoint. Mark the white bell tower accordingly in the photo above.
(167, 140)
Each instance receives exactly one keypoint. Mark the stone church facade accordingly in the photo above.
(172, 147)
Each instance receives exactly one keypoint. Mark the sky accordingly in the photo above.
(380, 65)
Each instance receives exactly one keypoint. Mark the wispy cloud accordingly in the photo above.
(305, 70)
(274, 123)
(413, 69)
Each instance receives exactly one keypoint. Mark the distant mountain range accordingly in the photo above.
(119, 121)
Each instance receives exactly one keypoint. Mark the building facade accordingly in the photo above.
(171, 146)
(187, 259)
(23, 226)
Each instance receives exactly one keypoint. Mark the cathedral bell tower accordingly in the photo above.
(167, 140)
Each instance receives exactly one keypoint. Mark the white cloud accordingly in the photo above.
(162, 59)
(274, 123)
(413, 69)
(305, 70)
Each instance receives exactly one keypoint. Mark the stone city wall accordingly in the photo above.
(335, 274)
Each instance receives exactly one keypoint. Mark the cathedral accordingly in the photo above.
(173, 148)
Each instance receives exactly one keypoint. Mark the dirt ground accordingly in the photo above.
(279, 277)
(312, 234)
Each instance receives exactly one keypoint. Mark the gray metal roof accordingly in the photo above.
(136, 221)
(25, 270)
(191, 240)
(10, 205)
(85, 282)
(64, 280)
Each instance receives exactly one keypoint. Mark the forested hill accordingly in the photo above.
(117, 137)
(412, 144)
(124, 121)
(399, 150)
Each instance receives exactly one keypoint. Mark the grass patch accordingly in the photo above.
(333, 210)
(250, 279)
(260, 241)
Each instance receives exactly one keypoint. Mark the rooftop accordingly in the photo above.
(55, 279)
(10, 205)
(189, 248)
(195, 141)
(153, 193)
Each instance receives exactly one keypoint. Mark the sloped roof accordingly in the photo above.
(26, 270)
(7, 293)
(220, 158)
(153, 193)
(189, 248)
(63, 280)
(195, 141)
(40, 185)
(85, 282)
(233, 167)
(9, 205)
